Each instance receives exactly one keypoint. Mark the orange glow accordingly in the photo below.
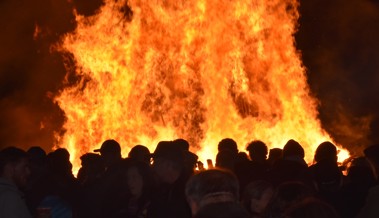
(202, 70)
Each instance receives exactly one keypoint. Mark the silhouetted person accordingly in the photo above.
(293, 151)
(225, 159)
(326, 151)
(211, 187)
(311, 208)
(257, 151)
(291, 167)
(274, 155)
(91, 178)
(190, 159)
(110, 152)
(140, 153)
(257, 168)
(168, 199)
(242, 157)
(35, 190)
(256, 197)
(182, 143)
(326, 170)
(138, 181)
(91, 170)
(228, 144)
(102, 198)
(37, 155)
(359, 180)
(227, 154)
(14, 172)
(241, 169)
(59, 162)
(327, 175)
(62, 189)
(371, 209)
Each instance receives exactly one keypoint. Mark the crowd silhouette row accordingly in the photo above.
(171, 183)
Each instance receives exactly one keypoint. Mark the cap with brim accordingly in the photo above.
(109, 146)
(169, 151)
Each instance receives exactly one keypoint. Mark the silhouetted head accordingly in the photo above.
(90, 159)
(293, 148)
(14, 166)
(169, 151)
(92, 168)
(326, 151)
(59, 161)
(360, 171)
(257, 151)
(274, 155)
(110, 152)
(140, 153)
(242, 157)
(210, 187)
(37, 155)
(36, 152)
(190, 159)
(62, 154)
(182, 143)
(225, 159)
(168, 161)
(228, 144)
(109, 146)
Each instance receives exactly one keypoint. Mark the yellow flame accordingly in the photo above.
(202, 70)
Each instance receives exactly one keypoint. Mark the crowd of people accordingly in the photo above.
(171, 183)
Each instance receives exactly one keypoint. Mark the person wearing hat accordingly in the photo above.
(169, 199)
(168, 162)
(104, 193)
(371, 209)
(110, 152)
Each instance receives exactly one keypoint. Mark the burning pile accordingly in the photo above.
(202, 70)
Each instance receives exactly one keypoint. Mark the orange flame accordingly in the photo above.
(202, 70)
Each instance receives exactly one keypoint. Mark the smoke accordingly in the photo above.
(30, 73)
(339, 45)
(337, 39)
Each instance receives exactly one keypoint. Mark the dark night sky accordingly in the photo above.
(339, 42)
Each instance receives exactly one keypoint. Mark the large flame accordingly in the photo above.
(202, 70)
